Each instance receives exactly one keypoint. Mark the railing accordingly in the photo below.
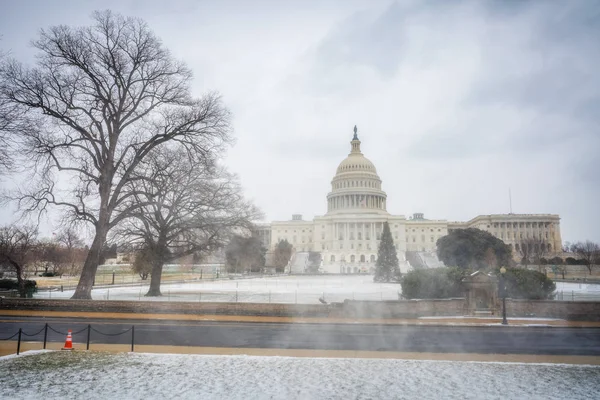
(573, 295)
(20, 333)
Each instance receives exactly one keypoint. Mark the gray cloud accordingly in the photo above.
(455, 101)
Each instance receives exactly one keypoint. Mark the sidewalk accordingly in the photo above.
(432, 321)
(9, 347)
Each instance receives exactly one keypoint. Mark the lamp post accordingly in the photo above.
(113, 280)
(502, 290)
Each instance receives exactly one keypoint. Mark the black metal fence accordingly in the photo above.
(88, 329)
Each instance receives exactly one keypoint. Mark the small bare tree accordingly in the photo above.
(16, 250)
(75, 252)
(100, 99)
(588, 251)
(183, 208)
(142, 263)
(533, 250)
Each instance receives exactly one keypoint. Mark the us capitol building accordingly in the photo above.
(348, 235)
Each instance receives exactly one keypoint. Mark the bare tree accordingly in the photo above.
(142, 262)
(75, 252)
(245, 254)
(5, 124)
(184, 208)
(588, 251)
(282, 254)
(100, 99)
(16, 250)
(533, 250)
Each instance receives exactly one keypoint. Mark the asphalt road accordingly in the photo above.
(438, 339)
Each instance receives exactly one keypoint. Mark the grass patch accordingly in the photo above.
(57, 360)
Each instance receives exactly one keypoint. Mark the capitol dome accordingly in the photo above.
(356, 187)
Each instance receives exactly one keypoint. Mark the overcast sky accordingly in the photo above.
(455, 102)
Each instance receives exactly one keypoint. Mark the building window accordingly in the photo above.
(432, 239)
(359, 235)
(341, 246)
(332, 258)
(352, 245)
(322, 247)
(372, 258)
(414, 239)
(362, 258)
(352, 259)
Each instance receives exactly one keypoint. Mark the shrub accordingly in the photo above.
(527, 284)
(442, 283)
(49, 274)
(13, 284)
(556, 261)
(438, 283)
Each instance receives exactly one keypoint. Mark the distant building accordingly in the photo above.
(348, 235)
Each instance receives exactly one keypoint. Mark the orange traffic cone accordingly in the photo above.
(68, 342)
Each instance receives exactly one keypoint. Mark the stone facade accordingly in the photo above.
(347, 236)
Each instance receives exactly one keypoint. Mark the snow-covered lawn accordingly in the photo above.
(288, 289)
(578, 291)
(282, 289)
(65, 375)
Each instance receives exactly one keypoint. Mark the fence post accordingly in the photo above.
(132, 336)
(45, 334)
(572, 295)
(107, 294)
(169, 294)
(19, 342)
(61, 288)
(87, 346)
(236, 296)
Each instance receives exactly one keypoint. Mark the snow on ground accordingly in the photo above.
(289, 289)
(281, 289)
(577, 291)
(69, 375)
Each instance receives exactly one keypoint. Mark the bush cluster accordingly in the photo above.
(443, 283)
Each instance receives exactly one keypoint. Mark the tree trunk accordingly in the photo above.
(20, 280)
(88, 273)
(155, 278)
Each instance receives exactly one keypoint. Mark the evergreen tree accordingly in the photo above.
(386, 268)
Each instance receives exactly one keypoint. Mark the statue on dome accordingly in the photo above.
(355, 136)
